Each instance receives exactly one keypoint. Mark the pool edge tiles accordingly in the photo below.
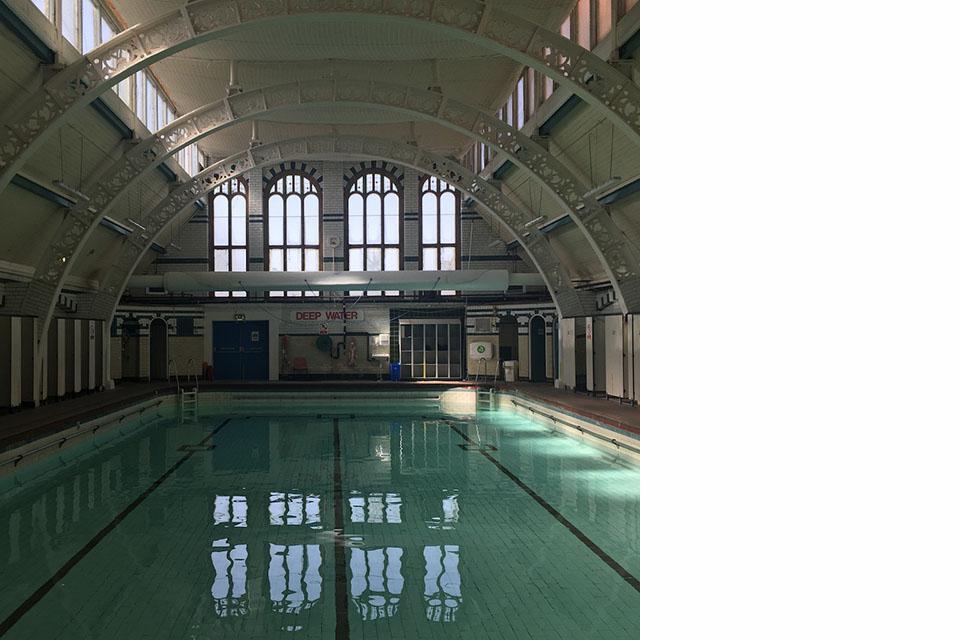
(65, 441)
(458, 401)
(609, 438)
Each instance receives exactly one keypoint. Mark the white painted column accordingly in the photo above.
(107, 355)
(613, 335)
(633, 357)
(91, 347)
(568, 352)
(78, 342)
(590, 363)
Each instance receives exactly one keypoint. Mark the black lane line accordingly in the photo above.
(45, 588)
(339, 553)
(630, 579)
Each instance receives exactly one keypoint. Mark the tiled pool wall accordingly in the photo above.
(621, 442)
(458, 401)
(61, 447)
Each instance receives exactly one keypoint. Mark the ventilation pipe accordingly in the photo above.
(464, 280)
(234, 87)
(255, 134)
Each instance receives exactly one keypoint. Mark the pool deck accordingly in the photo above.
(28, 424)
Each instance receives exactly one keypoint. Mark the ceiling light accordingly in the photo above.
(602, 187)
(70, 191)
(534, 221)
(136, 224)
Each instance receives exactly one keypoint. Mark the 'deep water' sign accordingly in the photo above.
(323, 315)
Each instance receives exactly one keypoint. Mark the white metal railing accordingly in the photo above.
(176, 373)
(189, 398)
(485, 397)
(196, 378)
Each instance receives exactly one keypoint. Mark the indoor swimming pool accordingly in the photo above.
(332, 520)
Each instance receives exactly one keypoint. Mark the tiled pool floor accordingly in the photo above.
(327, 524)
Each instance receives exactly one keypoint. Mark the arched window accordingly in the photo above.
(228, 230)
(374, 238)
(439, 226)
(293, 227)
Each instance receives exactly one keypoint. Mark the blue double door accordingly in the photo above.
(241, 350)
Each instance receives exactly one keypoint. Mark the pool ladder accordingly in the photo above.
(189, 398)
(486, 398)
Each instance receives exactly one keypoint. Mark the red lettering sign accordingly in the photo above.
(338, 315)
(309, 316)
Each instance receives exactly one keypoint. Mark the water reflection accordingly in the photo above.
(441, 585)
(451, 514)
(426, 446)
(375, 507)
(377, 581)
(229, 510)
(229, 588)
(294, 572)
(294, 508)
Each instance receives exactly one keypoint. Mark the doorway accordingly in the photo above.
(130, 348)
(508, 338)
(240, 350)
(580, 353)
(538, 349)
(158, 350)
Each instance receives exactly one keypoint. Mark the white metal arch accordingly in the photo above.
(615, 255)
(569, 301)
(29, 123)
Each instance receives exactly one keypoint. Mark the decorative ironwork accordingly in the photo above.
(569, 301)
(34, 119)
(616, 256)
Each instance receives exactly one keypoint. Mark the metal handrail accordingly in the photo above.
(496, 375)
(476, 377)
(578, 427)
(196, 378)
(176, 372)
(59, 443)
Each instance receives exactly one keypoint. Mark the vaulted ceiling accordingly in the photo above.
(375, 48)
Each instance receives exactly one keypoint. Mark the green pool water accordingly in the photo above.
(322, 521)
